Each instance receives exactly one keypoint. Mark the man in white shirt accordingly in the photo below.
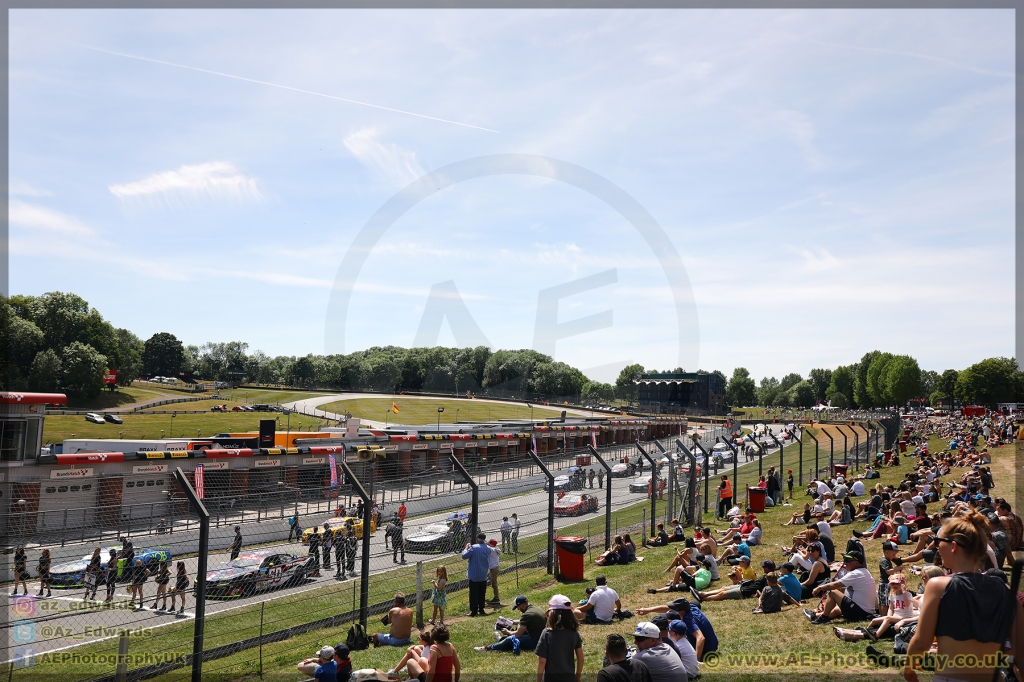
(858, 488)
(822, 487)
(824, 529)
(827, 504)
(506, 535)
(601, 605)
(853, 596)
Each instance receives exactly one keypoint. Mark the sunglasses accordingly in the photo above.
(949, 540)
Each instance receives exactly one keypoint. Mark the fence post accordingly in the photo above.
(551, 508)
(262, 606)
(607, 499)
(654, 488)
(475, 495)
(831, 453)
(204, 554)
(867, 444)
(122, 657)
(364, 564)
(692, 483)
(815, 461)
(707, 473)
(419, 594)
(846, 446)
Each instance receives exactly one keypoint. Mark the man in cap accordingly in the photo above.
(699, 631)
(677, 632)
(322, 667)
(682, 647)
(853, 596)
(528, 628)
(620, 668)
(661, 659)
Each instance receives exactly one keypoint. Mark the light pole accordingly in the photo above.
(173, 415)
(439, 411)
(457, 414)
(531, 411)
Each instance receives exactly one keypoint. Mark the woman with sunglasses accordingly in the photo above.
(970, 614)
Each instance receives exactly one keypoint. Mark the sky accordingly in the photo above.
(820, 183)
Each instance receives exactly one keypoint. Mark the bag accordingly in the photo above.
(624, 614)
(357, 639)
(903, 637)
(291, 521)
(854, 545)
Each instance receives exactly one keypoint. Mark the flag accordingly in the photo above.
(593, 439)
(394, 407)
(198, 477)
(334, 471)
(533, 440)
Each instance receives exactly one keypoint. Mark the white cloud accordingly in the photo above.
(215, 180)
(39, 218)
(389, 159)
(26, 190)
(819, 260)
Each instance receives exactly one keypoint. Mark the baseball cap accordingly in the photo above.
(768, 565)
(737, 536)
(789, 471)
(678, 627)
(789, 566)
(520, 600)
(326, 652)
(341, 650)
(680, 604)
(672, 615)
(928, 555)
(559, 601)
(897, 578)
(889, 546)
(853, 556)
(647, 630)
(492, 542)
(660, 621)
(744, 559)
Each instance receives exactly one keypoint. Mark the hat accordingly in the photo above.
(853, 556)
(744, 558)
(897, 578)
(520, 600)
(789, 471)
(559, 601)
(737, 536)
(678, 627)
(768, 565)
(672, 615)
(341, 650)
(789, 566)
(492, 542)
(680, 604)
(660, 621)
(326, 652)
(928, 555)
(646, 630)
(827, 492)
(889, 546)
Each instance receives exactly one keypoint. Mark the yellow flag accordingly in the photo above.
(394, 407)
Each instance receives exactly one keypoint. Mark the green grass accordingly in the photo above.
(123, 396)
(424, 410)
(148, 426)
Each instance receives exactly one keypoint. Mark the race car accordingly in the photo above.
(444, 536)
(575, 505)
(256, 572)
(335, 522)
(639, 485)
(562, 483)
(621, 470)
(72, 573)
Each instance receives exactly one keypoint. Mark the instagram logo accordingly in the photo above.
(23, 607)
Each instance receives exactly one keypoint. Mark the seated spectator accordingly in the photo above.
(697, 576)
(678, 533)
(802, 518)
(399, 619)
(818, 571)
(601, 605)
(901, 606)
(699, 631)
(620, 668)
(659, 540)
(773, 596)
(679, 644)
(414, 653)
(844, 514)
(444, 661)
(733, 552)
(528, 628)
(745, 588)
(853, 596)
(789, 581)
(616, 554)
(630, 546)
(322, 667)
(754, 537)
(662, 662)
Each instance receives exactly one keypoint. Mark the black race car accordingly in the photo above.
(445, 536)
(257, 572)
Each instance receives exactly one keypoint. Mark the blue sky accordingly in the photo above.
(833, 181)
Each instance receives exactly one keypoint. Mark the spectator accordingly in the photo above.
(399, 619)
(685, 651)
(443, 661)
(322, 667)
(789, 581)
(803, 517)
(620, 668)
(998, 540)
(630, 547)
(773, 596)
(900, 607)
(661, 539)
(478, 556)
(236, 546)
(887, 566)
(687, 654)
(734, 552)
(661, 660)
(857, 600)
(528, 629)
(699, 631)
(439, 598)
(755, 535)
(559, 643)
(678, 533)
(494, 569)
(341, 657)
(506, 535)
(951, 605)
(601, 605)
(415, 653)
(857, 489)
(616, 554)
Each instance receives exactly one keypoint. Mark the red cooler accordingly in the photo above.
(571, 551)
(755, 498)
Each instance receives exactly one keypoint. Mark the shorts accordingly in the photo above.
(590, 618)
(852, 612)
(734, 592)
(388, 640)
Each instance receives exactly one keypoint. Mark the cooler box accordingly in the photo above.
(571, 550)
(755, 498)
(583, 460)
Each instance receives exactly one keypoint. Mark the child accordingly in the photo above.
(180, 585)
(901, 606)
(886, 568)
(163, 576)
(139, 575)
(772, 597)
(440, 599)
(443, 660)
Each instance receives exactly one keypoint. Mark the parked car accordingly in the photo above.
(94, 418)
(443, 536)
(113, 419)
(336, 521)
(562, 483)
(639, 485)
(575, 505)
(72, 573)
(257, 572)
(219, 408)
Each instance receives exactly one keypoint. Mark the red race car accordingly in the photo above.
(574, 505)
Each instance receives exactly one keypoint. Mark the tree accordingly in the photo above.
(125, 356)
(767, 390)
(24, 341)
(860, 384)
(83, 369)
(842, 382)
(929, 381)
(597, 392)
(820, 379)
(61, 317)
(625, 384)
(162, 355)
(989, 382)
(877, 389)
(46, 373)
(902, 379)
(741, 389)
(789, 381)
(802, 394)
(839, 400)
(945, 386)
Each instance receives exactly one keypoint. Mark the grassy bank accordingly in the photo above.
(414, 410)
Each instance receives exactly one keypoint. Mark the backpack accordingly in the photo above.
(357, 639)
(854, 545)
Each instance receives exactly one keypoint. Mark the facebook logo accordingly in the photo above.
(24, 656)
(24, 632)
